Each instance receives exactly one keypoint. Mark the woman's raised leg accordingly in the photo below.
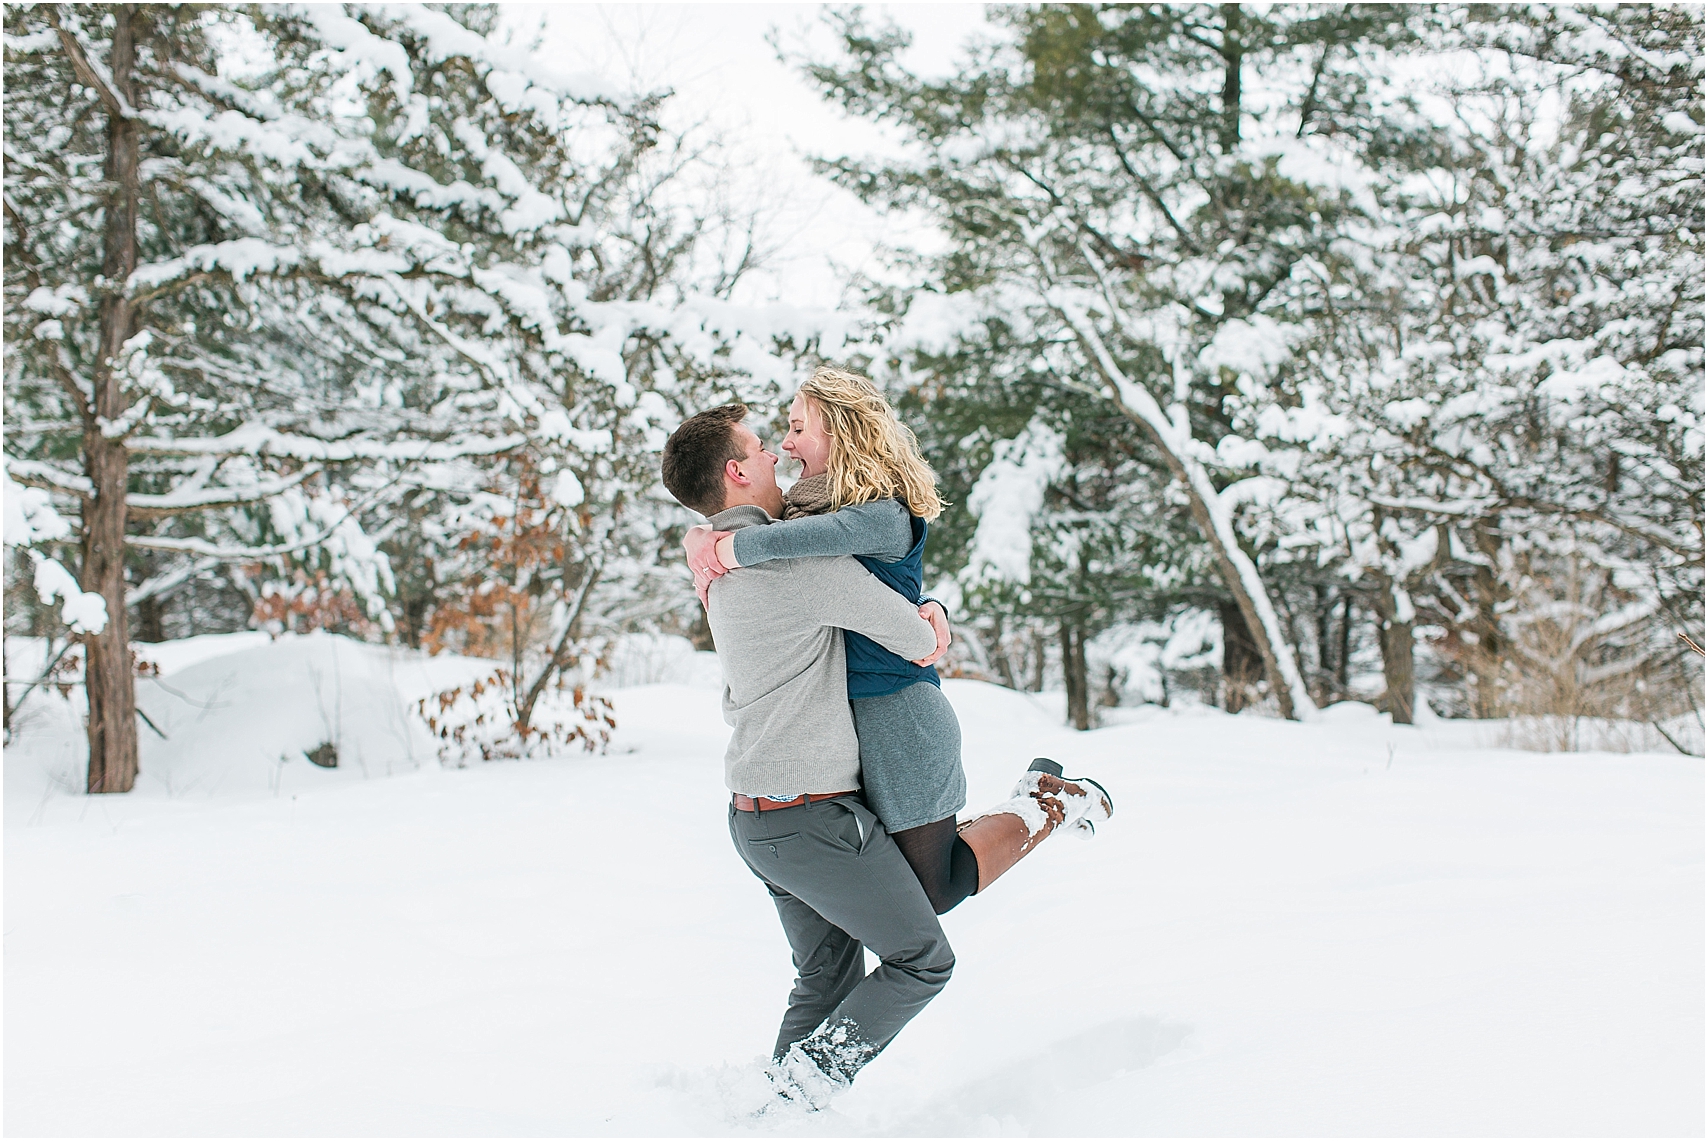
(946, 867)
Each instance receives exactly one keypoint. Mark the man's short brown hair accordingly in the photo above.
(695, 455)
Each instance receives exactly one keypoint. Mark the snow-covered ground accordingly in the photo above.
(1336, 928)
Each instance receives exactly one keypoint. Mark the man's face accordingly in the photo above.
(759, 468)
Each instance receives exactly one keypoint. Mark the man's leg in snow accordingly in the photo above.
(844, 874)
(828, 965)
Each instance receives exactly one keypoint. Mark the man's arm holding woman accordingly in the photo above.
(881, 529)
(841, 592)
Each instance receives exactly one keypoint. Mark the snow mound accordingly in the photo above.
(237, 715)
(183, 653)
(1349, 712)
(247, 721)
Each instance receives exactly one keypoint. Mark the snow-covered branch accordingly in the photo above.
(248, 554)
(160, 584)
(255, 439)
(89, 69)
(180, 502)
(84, 611)
(34, 473)
(239, 258)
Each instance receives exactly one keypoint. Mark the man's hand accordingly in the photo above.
(701, 544)
(934, 613)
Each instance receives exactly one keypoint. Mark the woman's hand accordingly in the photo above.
(934, 613)
(701, 544)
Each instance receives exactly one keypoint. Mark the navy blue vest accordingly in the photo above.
(872, 670)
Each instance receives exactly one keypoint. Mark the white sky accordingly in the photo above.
(716, 58)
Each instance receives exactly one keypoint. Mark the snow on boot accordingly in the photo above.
(1081, 798)
(1007, 832)
(1084, 828)
(799, 1081)
(1040, 803)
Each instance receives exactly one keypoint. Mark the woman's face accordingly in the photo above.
(807, 440)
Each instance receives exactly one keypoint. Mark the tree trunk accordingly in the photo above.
(998, 653)
(1394, 623)
(1172, 436)
(700, 633)
(1264, 636)
(590, 576)
(1074, 675)
(1038, 661)
(151, 619)
(1242, 665)
(1113, 680)
(6, 695)
(1489, 594)
(413, 608)
(108, 679)
(1232, 60)
(1341, 664)
(1323, 615)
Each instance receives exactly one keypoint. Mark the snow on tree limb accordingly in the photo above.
(35, 473)
(161, 584)
(1008, 494)
(84, 611)
(516, 70)
(240, 554)
(239, 258)
(255, 439)
(179, 502)
(31, 521)
(509, 72)
(30, 517)
(89, 68)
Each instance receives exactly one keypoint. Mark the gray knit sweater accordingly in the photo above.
(778, 628)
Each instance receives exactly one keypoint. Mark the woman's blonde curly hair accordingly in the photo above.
(873, 455)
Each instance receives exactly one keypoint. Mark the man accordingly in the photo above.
(793, 766)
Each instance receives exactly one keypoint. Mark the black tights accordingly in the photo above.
(946, 867)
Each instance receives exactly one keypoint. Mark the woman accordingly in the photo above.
(866, 491)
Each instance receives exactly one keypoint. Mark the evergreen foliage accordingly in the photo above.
(1368, 335)
(1406, 301)
(360, 252)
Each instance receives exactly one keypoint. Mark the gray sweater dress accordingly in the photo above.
(910, 742)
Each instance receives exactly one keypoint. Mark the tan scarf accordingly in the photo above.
(808, 497)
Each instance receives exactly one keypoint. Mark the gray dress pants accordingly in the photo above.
(840, 883)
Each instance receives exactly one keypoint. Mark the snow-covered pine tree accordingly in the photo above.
(1107, 180)
(1066, 522)
(585, 272)
(1518, 398)
(268, 267)
(1602, 264)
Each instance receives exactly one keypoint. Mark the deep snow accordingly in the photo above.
(1336, 928)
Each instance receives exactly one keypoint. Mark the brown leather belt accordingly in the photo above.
(761, 804)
